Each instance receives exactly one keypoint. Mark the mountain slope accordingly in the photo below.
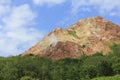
(87, 36)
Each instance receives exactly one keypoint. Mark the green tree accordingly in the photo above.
(105, 68)
(9, 71)
(116, 65)
(88, 71)
(28, 78)
(115, 48)
(66, 69)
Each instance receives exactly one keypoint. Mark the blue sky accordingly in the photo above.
(25, 22)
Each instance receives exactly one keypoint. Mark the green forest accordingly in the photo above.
(117, 77)
(95, 67)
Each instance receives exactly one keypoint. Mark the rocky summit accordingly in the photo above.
(86, 37)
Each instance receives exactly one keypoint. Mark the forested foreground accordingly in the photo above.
(117, 77)
(84, 68)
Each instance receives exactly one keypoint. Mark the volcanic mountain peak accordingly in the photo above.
(87, 36)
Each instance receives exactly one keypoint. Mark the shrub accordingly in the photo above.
(73, 33)
(28, 78)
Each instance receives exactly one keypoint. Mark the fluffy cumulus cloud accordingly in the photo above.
(48, 2)
(110, 7)
(16, 31)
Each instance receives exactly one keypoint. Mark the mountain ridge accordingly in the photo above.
(86, 37)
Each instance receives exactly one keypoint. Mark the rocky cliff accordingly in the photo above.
(86, 37)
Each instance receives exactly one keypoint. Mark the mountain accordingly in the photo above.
(86, 37)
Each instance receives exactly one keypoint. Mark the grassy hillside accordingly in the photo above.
(108, 78)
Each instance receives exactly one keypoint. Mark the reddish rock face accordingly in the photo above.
(64, 49)
(86, 37)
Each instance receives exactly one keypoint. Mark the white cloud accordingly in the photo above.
(48, 2)
(115, 14)
(5, 1)
(16, 31)
(0, 27)
(102, 6)
(4, 7)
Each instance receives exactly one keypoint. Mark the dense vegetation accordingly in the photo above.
(108, 78)
(85, 68)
